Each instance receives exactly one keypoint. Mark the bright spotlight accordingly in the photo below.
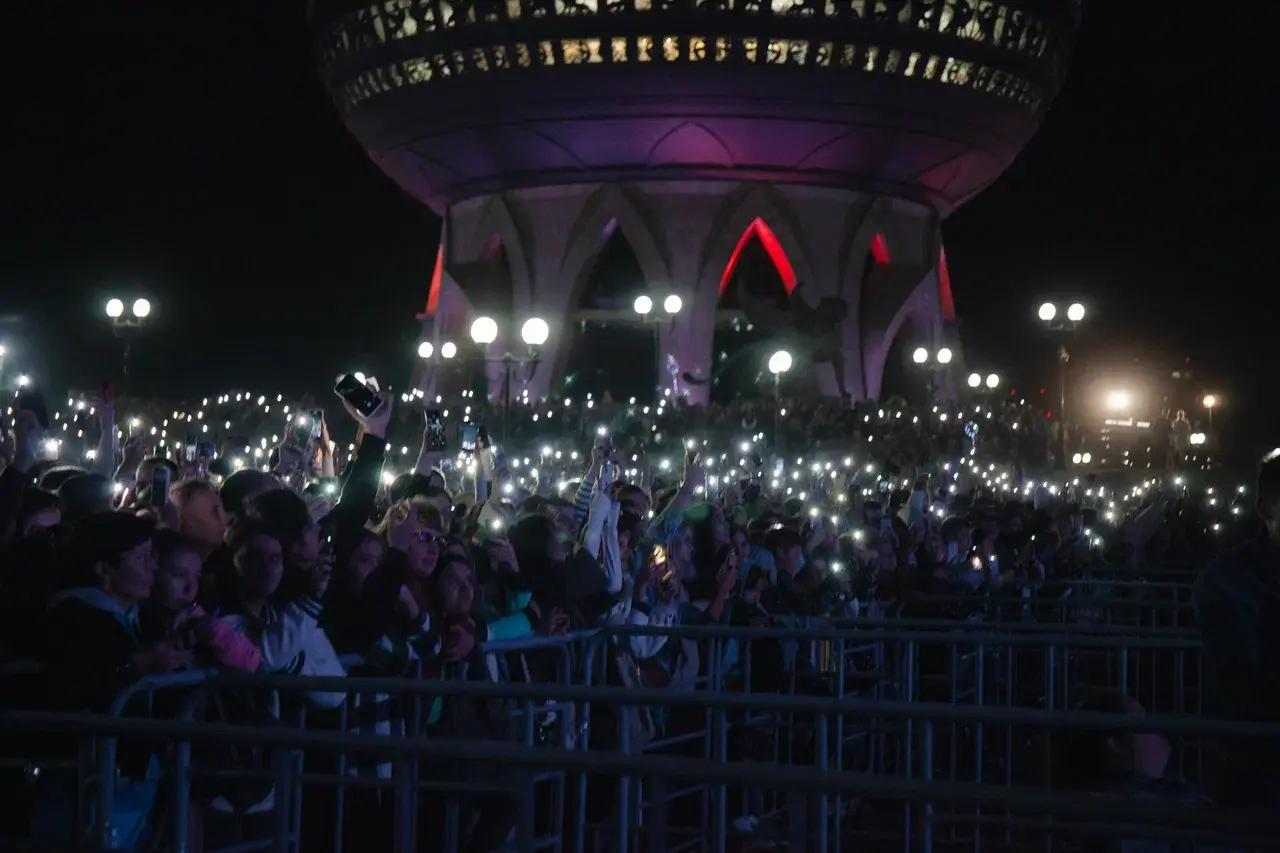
(920, 355)
(643, 305)
(1118, 401)
(425, 349)
(141, 308)
(779, 362)
(115, 308)
(24, 380)
(1075, 312)
(1048, 311)
(993, 381)
(944, 355)
(672, 304)
(448, 349)
(1197, 438)
(484, 330)
(535, 331)
(974, 380)
(1210, 401)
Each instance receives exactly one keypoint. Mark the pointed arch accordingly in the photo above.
(433, 291)
(606, 210)
(497, 233)
(735, 221)
(945, 299)
(758, 229)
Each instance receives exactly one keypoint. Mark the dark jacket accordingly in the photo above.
(90, 643)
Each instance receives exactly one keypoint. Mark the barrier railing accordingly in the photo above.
(819, 789)
(968, 748)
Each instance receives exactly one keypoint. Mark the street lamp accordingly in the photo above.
(643, 305)
(425, 350)
(779, 363)
(944, 355)
(920, 355)
(484, 330)
(535, 332)
(448, 349)
(1119, 400)
(934, 362)
(993, 381)
(1210, 402)
(126, 325)
(672, 304)
(1061, 325)
(975, 380)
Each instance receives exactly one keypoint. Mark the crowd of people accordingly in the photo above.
(139, 539)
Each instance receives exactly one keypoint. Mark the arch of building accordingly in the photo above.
(685, 235)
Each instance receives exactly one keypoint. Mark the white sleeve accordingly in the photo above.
(288, 635)
(660, 615)
(601, 538)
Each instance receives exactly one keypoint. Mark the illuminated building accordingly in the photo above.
(835, 134)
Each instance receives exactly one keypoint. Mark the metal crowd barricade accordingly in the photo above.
(815, 790)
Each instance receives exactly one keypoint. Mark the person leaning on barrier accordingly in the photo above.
(93, 642)
(1237, 603)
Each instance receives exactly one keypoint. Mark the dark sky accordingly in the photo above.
(187, 151)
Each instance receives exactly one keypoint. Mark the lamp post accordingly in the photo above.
(1062, 323)
(779, 363)
(125, 326)
(934, 362)
(1210, 402)
(672, 305)
(534, 332)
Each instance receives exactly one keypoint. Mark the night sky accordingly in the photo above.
(189, 153)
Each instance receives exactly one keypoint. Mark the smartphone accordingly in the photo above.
(435, 431)
(470, 436)
(300, 431)
(317, 423)
(499, 458)
(31, 400)
(359, 395)
(659, 555)
(204, 450)
(482, 437)
(190, 447)
(160, 477)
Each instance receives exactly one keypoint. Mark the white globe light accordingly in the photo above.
(448, 349)
(993, 381)
(1048, 311)
(974, 380)
(643, 305)
(1075, 312)
(944, 355)
(484, 330)
(115, 308)
(24, 380)
(141, 308)
(1086, 458)
(1197, 438)
(1076, 459)
(920, 355)
(1209, 400)
(535, 331)
(672, 304)
(1119, 400)
(779, 362)
(425, 349)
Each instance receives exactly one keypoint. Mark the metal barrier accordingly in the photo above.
(890, 661)
(816, 794)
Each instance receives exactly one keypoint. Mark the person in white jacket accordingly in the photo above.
(289, 637)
